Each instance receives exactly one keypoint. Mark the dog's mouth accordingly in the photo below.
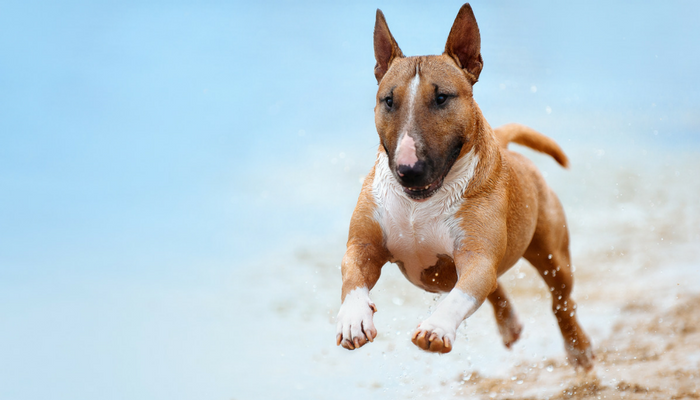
(420, 194)
(423, 193)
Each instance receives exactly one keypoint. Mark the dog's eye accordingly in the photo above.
(441, 99)
(389, 102)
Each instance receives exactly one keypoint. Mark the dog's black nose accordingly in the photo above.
(412, 175)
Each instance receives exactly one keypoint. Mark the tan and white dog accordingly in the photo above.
(449, 204)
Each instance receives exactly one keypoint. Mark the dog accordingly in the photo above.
(449, 203)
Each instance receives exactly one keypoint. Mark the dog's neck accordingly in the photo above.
(481, 141)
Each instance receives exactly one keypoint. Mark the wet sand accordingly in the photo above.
(651, 352)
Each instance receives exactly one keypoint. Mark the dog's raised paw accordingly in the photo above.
(355, 325)
(430, 337)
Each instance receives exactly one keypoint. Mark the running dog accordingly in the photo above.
(449, 203)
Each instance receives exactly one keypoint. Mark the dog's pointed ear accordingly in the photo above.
(385, 47)
(464, 43)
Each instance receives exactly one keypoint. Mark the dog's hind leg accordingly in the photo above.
(507, 320)
(549, 253)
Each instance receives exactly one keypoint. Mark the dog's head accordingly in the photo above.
(424, 104)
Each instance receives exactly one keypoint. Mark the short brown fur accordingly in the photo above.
(507, 210)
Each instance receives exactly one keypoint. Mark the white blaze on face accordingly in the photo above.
(406, 149)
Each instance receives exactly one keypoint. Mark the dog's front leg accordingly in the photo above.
(477, 279)
(360, 268)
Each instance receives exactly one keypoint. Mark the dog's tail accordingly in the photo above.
(529, 137)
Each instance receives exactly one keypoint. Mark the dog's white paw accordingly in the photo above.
(438, 332)
(436, 336)
(355, 326)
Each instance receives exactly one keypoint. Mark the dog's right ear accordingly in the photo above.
(385, 47)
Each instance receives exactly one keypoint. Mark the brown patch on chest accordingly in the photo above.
(441, 277)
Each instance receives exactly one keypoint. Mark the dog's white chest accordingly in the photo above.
(417, 232)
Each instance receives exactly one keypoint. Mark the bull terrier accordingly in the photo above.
(449, 203)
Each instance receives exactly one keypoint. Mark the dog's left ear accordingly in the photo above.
(464, 43)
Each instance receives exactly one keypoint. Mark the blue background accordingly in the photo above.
(150, 150)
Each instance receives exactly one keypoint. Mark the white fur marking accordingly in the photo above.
(413, 87)
(454, 309)
(355, 316)
(417, 232)
(405, 150)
